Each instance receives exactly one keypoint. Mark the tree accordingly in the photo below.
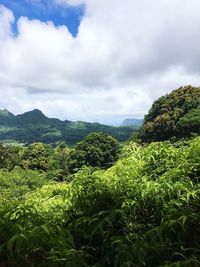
(58, 162)
(96, 150)
(176, 114)
(190, 123)
(9, 156)
(36, 156)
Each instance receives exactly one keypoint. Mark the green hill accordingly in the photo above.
(34, 126)
(175, 115)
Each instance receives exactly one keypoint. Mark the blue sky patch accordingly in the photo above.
(46, 10)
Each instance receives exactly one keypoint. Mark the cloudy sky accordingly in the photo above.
(96, 60)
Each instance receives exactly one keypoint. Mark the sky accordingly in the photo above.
(102, 60)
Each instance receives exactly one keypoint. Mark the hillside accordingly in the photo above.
(34, 126)
(174, 115)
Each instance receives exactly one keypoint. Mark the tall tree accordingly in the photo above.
(176, 114)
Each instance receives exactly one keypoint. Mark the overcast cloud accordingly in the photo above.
(126, 54)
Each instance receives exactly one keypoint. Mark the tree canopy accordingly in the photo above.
(36, 156)
(175, 114)
(96, 150)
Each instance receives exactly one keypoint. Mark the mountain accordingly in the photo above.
(6, 113)
(34, 117)
(132, 122)
(6, 117)
(34, 126)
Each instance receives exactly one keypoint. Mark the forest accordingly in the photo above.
(34, 126)
(102, 202)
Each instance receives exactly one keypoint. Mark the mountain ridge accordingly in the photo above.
(33, 126)
(132, 122)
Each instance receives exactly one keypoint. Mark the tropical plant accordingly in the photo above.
(143, 211)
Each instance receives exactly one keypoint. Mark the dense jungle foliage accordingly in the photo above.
(174, 115)
(103, 203)
(97, 150)
(142, 211)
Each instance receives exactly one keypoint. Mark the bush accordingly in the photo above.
(18, 182)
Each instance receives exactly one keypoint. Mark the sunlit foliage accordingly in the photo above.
(176, 114)
(143, 211)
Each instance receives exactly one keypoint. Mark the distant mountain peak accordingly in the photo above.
(35, 112)
(33, 117)
(6, 113)
(34, 126)
(132, 122)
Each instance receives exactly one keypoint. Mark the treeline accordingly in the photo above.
(96, 150)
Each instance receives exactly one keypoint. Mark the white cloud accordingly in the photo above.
(6, 19)
(126, 54)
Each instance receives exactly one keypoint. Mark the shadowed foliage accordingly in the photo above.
(96, 150)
